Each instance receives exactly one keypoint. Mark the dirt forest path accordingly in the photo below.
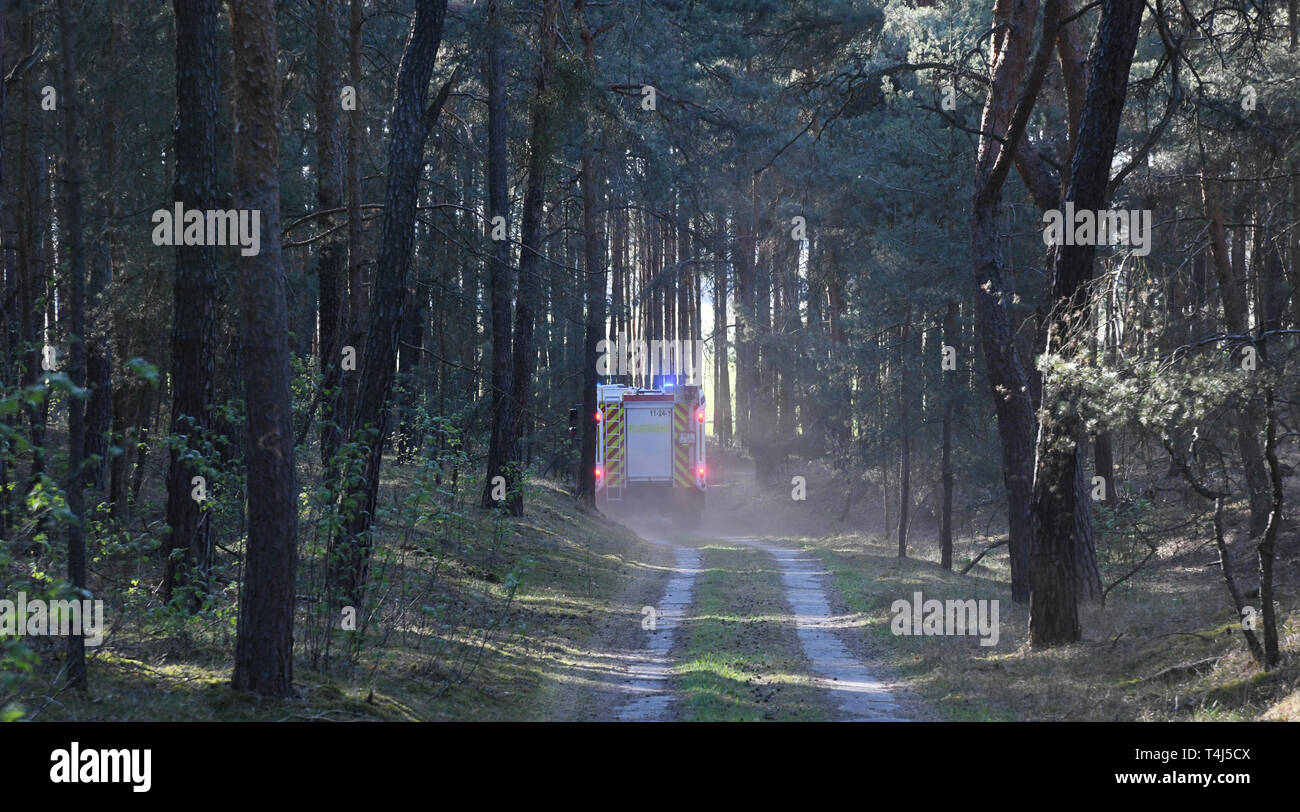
(858, 694)
(785, 634)
(649, 678)
(643, 677)
(625, 673)
(850, 687)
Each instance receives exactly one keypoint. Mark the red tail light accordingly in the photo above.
(600, 472)
(700, 471)
(598, 417)
(699, 415)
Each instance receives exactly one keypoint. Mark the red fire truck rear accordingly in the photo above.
(650, 450)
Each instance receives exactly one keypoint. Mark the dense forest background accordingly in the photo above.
(845, 199)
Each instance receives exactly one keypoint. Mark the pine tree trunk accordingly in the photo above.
(1103, 449)
(1236, 317)
(347, 392)
(838, 429)
(1006, 373)
(618, 268)
(264, 638)
(542, 143)
(746, 353)
(31, 272)
(1293, 238)
(350, 557)
(721, 362)
(1268, 544)
(194, 287)
(330, 262)
(12, 334)
(499, 275)
(1062, 562)
(791, 329)
(99, 356)
(949, 407)
(593, 245)
(75, 326)
(906, 414)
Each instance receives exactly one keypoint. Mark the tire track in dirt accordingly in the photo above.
(650, 672)
(854, 689)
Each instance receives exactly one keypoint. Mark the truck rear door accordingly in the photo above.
(649, 437)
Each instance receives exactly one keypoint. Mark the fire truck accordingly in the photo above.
(650, 450)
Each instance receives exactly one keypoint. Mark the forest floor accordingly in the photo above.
(1166, 644)
(776, 609)
(505, 620)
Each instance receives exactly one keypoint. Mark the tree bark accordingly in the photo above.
(70, 229)
(99, 356)
(408, 124)
(264, 638)
(12, 334)
(1236, 317)
(500, 282)
(906, 415)
(746, 329)
(32, 278)
(194, 288)
(1268, 544)
(593, 242)
(1270, 291)
(330, 270)
(949, 407)
(1006, 373)
(345, 389)
(791, 330)
(1059, 573)
(1293, 238)
(721, 362)
(542, 144)
(1103, 447)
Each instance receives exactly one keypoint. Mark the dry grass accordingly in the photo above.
(1136, 659)
(486, 654)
